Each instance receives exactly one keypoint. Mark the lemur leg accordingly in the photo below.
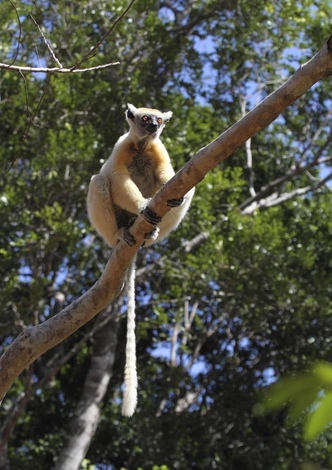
(100, 209)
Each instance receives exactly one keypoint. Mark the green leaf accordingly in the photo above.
(319, 418)
(323, 371)
(301, 404)
(287, 389)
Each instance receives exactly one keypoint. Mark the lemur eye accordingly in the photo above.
(159, 120)
(144, 118)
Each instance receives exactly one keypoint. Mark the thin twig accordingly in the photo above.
(243, 103)
(88, 55)
(251, 170)
(19, 34)
(56, 60)
(175, 335)
(193, 313)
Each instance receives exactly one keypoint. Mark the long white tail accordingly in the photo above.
(130, 380)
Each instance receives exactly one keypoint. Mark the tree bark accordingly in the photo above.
(86, 416)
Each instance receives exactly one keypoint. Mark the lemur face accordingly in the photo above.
(147, 121)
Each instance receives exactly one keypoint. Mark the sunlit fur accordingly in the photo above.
(137, 168)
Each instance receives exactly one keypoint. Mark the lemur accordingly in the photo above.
(137, 168)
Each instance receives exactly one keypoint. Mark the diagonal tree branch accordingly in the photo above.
(36, 340)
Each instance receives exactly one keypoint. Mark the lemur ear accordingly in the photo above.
(167, 116)
(131, 111)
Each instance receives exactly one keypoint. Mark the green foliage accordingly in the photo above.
(308, 395)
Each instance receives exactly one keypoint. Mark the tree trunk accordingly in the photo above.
(4, 462)
(86, 416)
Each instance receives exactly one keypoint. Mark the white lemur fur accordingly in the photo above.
(137, 168)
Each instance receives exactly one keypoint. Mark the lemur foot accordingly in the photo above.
(175, 202)
(126, 236)
(153, 235)
(150, 216)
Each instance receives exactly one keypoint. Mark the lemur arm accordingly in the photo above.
(126, 194)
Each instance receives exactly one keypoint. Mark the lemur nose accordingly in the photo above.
(153, 126)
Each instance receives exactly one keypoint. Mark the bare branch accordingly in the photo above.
(190, 245)
(175, 335)
(277, 198)
(251, 171)
(243, 103)
(188, 319)
(36, 340)
(186, 316)
(193, 313)
(54, 69)
(56, 60)
(296, 170)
